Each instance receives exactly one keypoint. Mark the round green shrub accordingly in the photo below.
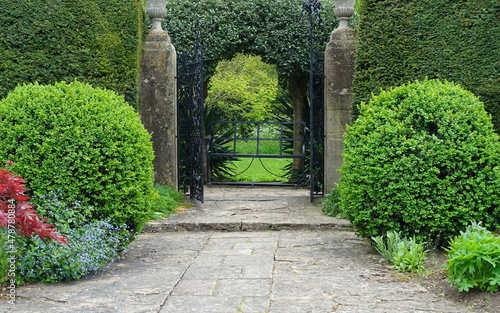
(421, 159)
(84, 142)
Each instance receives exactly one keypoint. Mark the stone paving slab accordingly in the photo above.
(235, 271)
(278, 272)
(251, 209)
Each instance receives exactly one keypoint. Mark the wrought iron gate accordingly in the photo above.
(316, 104)
(275, 132)
(191, 134)
(316, 126)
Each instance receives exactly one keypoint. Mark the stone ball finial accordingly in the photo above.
(156, 9)
(343, 14)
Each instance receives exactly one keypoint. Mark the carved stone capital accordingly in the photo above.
(156, 10)
(343, 14)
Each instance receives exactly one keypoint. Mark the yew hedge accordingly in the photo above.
(94, 41)
(404, 40)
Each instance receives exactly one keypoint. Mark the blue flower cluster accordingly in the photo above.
(91, 248)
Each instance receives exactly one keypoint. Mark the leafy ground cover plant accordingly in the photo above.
(17, 214)
(63, 212)
(406, 254)
(18, 217)
(331, 204)
(474, 259)
(4, 254)
(166, 203)
(92, 245)
(90, 249)
(421, 159)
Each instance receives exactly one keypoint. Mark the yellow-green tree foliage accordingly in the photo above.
(244, 88)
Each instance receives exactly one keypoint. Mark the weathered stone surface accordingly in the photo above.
(158, 108)
(267, 271)
(251, 209)
(339, 75)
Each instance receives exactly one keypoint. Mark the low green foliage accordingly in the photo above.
(90, 249)
(167, 201)
(387, 247)
(421, 159)
(331, 204)
(410, 256)
(406, 254)
(65, 214)
(92, 245)
(4, 254)
(87, 142)
(474, 260)
(261, 170)
(265, 147)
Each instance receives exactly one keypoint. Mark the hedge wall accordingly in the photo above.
(276, 30)
(93, 41)
(406, 40)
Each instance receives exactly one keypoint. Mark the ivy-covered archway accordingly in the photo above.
(277, 31)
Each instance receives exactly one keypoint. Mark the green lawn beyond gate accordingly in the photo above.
(259, 170)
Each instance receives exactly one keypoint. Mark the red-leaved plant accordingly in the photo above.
(16, 212)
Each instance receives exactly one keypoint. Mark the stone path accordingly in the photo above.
(319, 266)
(251, 209)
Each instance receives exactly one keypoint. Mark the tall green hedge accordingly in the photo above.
(406, 40)
(276, 30)
(94, 41)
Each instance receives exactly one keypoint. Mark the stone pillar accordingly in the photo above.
(339, 75)
(158, 90)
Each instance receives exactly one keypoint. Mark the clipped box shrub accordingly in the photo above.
(421, 159)
(86, 143)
